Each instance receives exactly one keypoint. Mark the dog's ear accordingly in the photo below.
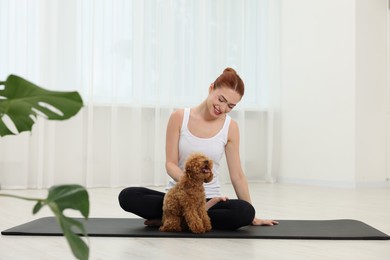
(190, 168)
(194, 164)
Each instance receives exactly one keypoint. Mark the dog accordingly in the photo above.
(185, 203)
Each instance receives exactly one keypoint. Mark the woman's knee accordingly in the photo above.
(247, 212)
(127, 197)
(142, 201)
(232, 214)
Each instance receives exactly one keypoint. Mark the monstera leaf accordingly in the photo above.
(69, 197)
(59, 199)
(22, 101)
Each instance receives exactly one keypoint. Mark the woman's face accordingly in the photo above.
(222, 100)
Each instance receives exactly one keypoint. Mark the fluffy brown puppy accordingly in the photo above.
(185, 203)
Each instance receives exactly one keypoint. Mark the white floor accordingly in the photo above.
(276, 201)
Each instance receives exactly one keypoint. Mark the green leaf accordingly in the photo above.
(37, 207)
(22, 101)
(69, 197)
(79, 247)
(71, 227)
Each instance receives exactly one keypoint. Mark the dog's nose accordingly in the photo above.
(206, 162)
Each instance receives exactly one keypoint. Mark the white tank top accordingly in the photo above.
(213, 147)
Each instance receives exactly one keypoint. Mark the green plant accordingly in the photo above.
(66, 197)
(20, 103)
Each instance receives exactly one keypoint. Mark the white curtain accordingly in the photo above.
(134, 62)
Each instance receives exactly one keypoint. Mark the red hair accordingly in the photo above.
(229, 78)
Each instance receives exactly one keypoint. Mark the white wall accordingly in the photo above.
(371, 81)
(333, 92)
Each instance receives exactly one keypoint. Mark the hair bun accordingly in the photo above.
(230, 70)
(229, 78)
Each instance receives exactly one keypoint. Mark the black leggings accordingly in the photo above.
(146, 203)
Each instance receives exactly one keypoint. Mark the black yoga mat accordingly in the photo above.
(340, 229)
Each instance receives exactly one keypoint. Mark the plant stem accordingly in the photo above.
(19, 197)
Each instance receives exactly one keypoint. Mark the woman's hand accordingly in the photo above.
(214, 201)
(264, 222)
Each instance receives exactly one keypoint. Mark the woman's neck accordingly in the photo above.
(203, 112)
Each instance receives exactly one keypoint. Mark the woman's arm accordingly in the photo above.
(172, 145)
(214, 201)
(237, 175)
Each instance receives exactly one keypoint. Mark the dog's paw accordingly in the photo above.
(198, 231)
(197, 228)
(170, 229)
(208, 228)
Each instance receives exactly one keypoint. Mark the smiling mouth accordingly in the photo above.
(217, 111)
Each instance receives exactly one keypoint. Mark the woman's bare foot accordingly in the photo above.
(153, 222)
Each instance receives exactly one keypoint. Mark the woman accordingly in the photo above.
(206, 128)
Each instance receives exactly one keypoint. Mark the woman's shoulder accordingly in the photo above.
(233, 124)
(176, 117)
(233, 129)
(177, 114)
